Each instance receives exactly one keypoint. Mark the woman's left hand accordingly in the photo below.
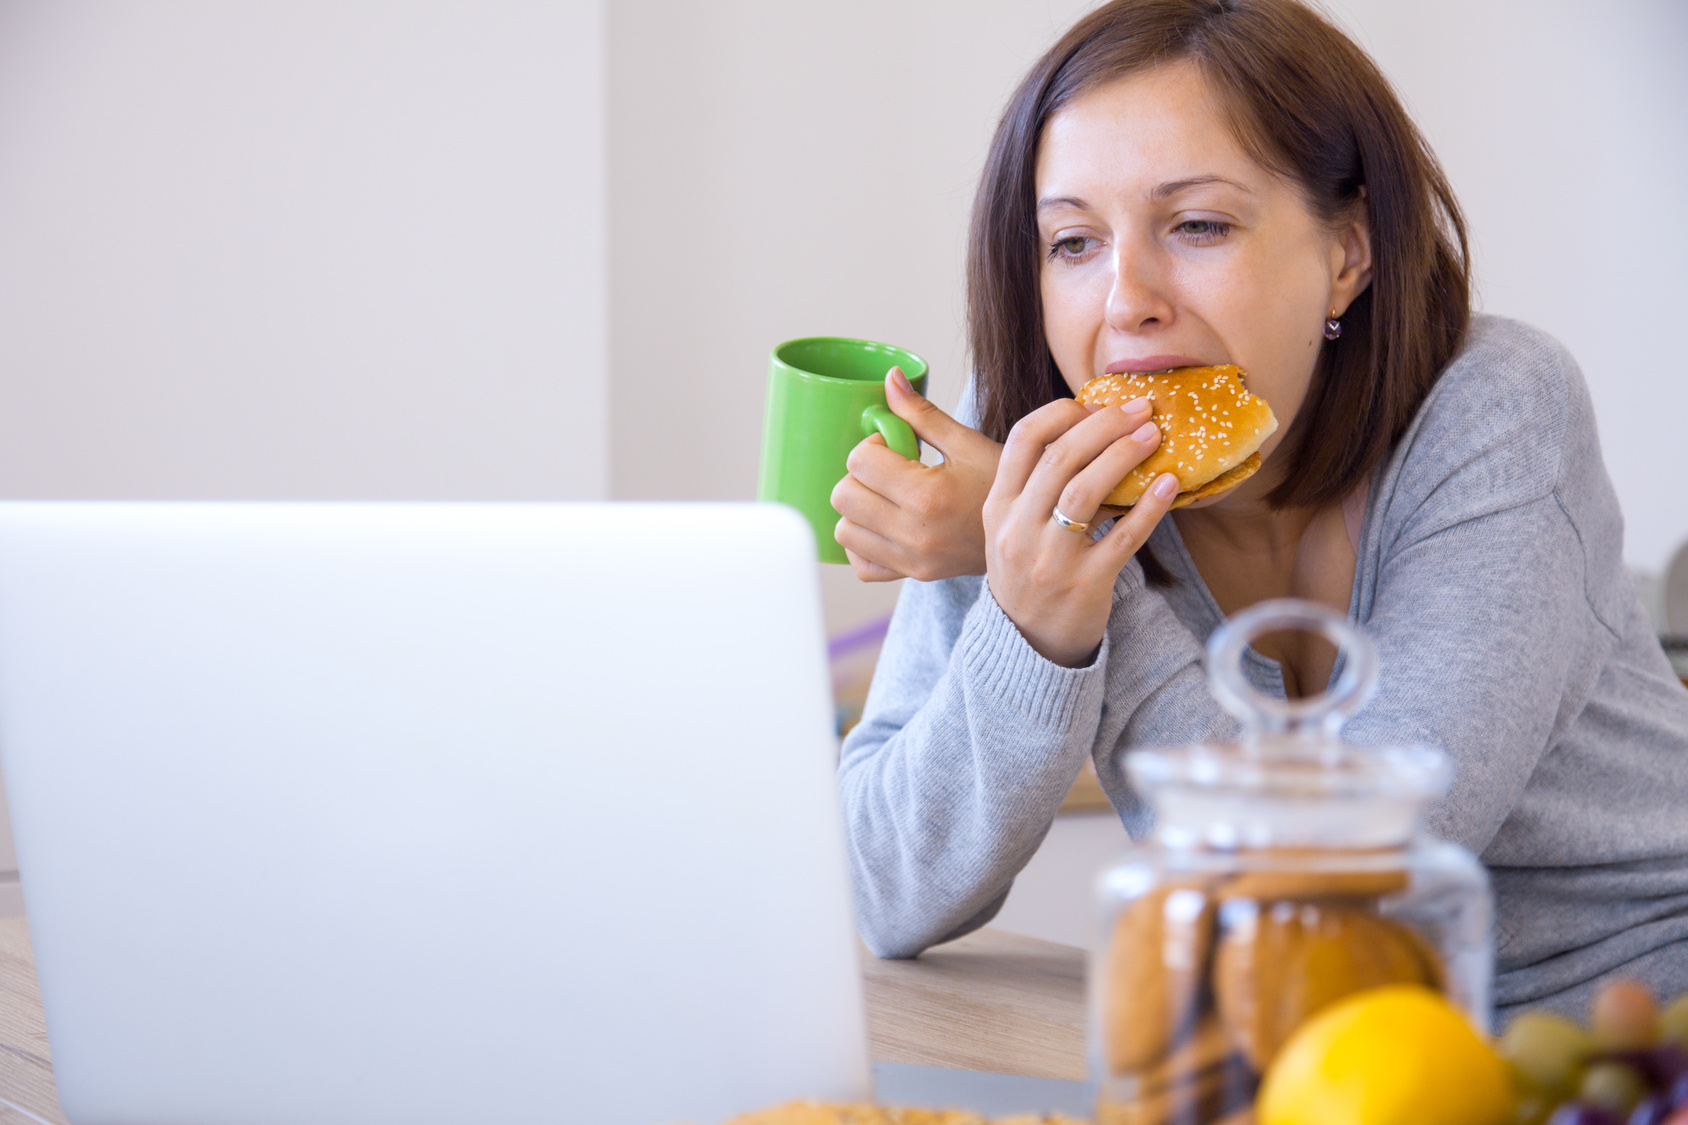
(1054, 583)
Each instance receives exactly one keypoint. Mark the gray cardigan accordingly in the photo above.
(1491, 576)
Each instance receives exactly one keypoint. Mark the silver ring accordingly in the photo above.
(1069, 524)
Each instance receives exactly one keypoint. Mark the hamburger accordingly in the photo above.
(1211, 430)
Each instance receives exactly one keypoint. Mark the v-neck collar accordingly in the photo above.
(1266, 674)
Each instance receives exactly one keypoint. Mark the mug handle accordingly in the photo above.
(897, 433)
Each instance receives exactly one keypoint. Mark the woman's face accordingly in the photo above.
(1165, 245)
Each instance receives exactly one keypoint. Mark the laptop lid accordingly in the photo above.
(366, 813)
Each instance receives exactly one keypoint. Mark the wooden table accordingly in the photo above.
(990, 1001)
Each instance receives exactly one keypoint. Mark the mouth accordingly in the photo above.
(1141, 365)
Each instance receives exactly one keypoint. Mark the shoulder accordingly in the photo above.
(1510, 382)
(1498, 429)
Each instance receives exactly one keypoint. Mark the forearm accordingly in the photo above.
(945, 810)
(1489, 649)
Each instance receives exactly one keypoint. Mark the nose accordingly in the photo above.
(1137, 297)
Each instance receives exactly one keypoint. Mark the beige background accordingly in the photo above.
(302, 248)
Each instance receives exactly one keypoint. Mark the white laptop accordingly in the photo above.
(426, 813)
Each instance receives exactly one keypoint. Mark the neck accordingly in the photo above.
(1246, 523)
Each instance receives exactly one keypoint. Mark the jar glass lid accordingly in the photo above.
(1291, 775)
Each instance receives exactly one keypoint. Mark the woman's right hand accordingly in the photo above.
(1056, 584)
(906, 519)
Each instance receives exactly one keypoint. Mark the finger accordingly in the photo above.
(879, 556)
(856, 501)
(929, 424)
(1028, 439)
(887, 472)
(870, 571)
(1086, 491)
(1131, 530)
(1078, 447)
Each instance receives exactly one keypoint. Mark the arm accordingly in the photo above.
(1488, 647)
(968, 745)
(988, 694)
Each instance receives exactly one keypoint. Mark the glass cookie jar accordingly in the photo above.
(1285, 872)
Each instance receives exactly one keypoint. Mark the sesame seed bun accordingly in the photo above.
(1211, 430)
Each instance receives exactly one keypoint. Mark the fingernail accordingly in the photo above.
(1136, 406)
(901, 380)
(1144, 432)
(1167, 487)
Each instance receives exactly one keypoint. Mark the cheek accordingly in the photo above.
(1268, 309)
(1073, 312)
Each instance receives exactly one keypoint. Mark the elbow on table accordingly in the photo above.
(893, 943)
(903, 935)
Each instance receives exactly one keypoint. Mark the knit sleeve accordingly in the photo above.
(969, 743)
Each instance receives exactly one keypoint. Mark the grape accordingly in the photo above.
(1673, 1021)
(1625, 1015)
(1650, 1111)
(1578, 1113)
(1677, 1095)
(1546, 1051)
(1612, 1085)
(1664, 1066)
(1659, 1067)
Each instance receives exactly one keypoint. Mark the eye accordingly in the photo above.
(1071, 249)
(1202, 232)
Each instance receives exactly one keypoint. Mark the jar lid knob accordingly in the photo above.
(1318, 717)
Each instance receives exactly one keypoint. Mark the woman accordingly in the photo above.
(1233, 181)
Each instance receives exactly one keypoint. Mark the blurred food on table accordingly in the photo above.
(1387, 1056)
(1209, 976)
(1630, 1065)
(1285, 876)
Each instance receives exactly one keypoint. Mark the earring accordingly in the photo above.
(1333, 326)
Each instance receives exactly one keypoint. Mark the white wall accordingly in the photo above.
(302, 248)
(782, 169)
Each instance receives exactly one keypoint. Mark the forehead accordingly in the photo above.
(1160, 124)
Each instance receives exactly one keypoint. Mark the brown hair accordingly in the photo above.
(1307, 103)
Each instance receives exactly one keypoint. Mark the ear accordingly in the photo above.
(1351, 258)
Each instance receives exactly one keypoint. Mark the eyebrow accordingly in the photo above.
(1049, 201)
(1161, 191)
(1175, 186)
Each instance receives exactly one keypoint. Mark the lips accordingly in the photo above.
(1141, 364)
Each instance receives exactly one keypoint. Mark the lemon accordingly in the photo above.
(1399, 1055)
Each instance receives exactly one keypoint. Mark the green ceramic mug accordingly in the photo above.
(826, 393)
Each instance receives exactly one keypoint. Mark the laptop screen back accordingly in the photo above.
(424, 813)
